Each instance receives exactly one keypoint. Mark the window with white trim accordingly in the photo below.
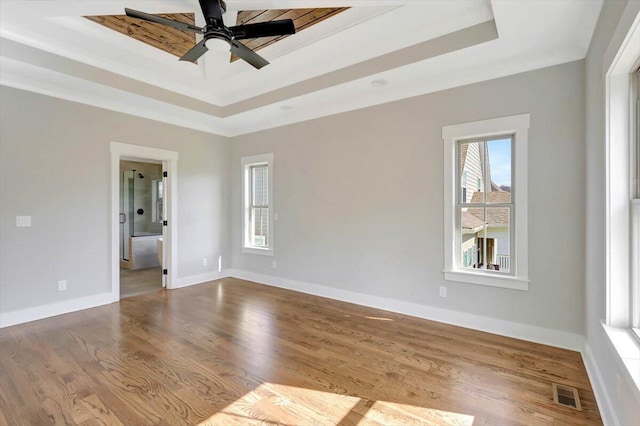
(486, 202)
(623, 204)
(257, 180)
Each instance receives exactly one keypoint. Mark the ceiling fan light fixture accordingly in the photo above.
(216, 44)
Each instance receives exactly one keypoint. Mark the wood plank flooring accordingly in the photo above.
(139, 281)
(235, 352)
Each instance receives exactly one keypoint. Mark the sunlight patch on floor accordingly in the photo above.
(280, 404)
(272, 403)
(394, 413)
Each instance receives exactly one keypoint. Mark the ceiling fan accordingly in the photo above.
(216, 32)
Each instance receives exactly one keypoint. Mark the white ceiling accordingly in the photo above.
(413, 46)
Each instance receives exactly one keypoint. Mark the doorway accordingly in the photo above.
(143, 209)
(141, 218)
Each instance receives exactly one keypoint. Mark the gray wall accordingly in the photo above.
(55, 166)
(360, 198)
(605, 42)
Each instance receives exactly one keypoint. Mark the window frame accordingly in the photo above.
(247, 163)
(516, 126)
(622, 219)
(486, 186)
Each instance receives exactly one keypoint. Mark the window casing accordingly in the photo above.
(486, 221)
(257, 224)
(622, 223)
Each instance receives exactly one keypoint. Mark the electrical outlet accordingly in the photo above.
(443, 291)
(275, 216)
(62, 285)
(274, 264)
(23, 221)
(205, 262)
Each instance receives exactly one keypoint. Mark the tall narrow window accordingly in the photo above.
(486, 202)
(259, 226)
(258, 218)
(622, 201)
(485, 212)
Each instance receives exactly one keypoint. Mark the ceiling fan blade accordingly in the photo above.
(164, 21)
(263, 29)
(211, 10)
(195, 52)
(248, 55)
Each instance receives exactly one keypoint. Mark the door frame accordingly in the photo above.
(170, 250)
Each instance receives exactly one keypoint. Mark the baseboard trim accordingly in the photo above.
(545, 336)
(607, 414)
(530, 333)
(200, 279)
(21, 316)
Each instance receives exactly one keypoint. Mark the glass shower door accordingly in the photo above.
(126, 213)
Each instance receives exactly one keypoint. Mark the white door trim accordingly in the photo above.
(170, 246)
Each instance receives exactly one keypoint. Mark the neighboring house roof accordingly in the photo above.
(472, 218)
(492, 197)
(470, 221)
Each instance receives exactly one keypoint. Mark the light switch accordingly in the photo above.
(22, 221)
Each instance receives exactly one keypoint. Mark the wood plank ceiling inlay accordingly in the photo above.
(302, 19)
(160, 36)
(179, 42)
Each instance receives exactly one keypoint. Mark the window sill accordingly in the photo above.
(492, 280)
(627, 346)
(260, 251)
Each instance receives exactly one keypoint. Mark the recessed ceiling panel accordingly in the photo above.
(179, 42)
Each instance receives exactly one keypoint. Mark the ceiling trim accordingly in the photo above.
(31, 78)
(471, 36)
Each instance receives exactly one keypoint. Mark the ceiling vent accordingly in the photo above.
(566, 396)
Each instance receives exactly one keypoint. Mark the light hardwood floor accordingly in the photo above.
(235, 352)
(139, 281)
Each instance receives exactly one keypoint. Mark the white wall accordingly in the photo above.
(614, 23)
(360, 198)
(55, 167)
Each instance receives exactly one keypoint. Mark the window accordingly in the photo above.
(484, 213)
(485, 202)
(623, 203)
(257, 176)
(157, 196)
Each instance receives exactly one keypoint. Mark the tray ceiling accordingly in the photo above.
(356, 54)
